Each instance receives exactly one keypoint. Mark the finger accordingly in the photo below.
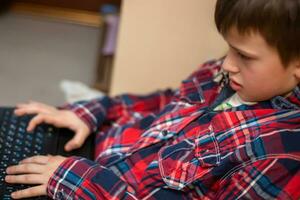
(39, 159)
(21, 105)
(42, 106)
(35, 121)
(19, 111)
(30, 192)
(26, 110)
(77, 141)
(28, 168)
(29, 103)
(33, 108)
(24, 103)
(39, 119)
(25, 179)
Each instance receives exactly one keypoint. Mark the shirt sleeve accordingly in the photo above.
(97, 111)
(277, 178)
(79, 178)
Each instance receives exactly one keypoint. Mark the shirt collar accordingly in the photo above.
(292, 101)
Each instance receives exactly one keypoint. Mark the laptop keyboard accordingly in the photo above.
(16, 144)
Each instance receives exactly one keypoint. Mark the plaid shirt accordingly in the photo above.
(173, 145)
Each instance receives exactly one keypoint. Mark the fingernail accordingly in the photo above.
(68, 148)
(13, 195)
(7, 178)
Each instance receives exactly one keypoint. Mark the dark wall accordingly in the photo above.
(90, 5)
(4, 5)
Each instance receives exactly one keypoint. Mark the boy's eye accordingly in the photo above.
(244, 57)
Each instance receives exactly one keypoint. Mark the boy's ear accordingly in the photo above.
(297, 69)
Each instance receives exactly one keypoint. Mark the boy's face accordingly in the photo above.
(255, 69)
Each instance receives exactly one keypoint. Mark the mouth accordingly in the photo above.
(234, 85)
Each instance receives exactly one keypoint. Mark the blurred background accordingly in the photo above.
(54, 48)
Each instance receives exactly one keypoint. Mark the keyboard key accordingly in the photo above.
(16, 144)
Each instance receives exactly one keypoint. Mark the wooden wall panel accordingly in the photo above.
(90, 5)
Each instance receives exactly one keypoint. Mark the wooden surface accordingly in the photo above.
(89, 5)
(77, 16)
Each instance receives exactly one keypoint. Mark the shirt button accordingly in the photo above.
(164, 132)
(204, 151)
(60, 194)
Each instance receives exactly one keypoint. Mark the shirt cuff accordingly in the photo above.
(93, 113)
(80, 178)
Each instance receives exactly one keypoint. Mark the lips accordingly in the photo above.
(234, 85)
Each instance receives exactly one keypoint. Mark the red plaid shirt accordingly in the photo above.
(174, 145)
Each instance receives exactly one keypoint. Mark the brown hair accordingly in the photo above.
(278, 21)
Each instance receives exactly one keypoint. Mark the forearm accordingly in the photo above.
(97, 111)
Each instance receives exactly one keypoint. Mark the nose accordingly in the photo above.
(229, 64)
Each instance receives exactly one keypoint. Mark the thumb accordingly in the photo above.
(77, 141)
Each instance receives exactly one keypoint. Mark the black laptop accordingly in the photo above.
(16, 144)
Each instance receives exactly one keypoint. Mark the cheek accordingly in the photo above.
(254, 80)
(247, 75)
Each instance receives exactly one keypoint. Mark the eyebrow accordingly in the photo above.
(243, 52)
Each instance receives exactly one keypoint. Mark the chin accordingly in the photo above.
(255, 99)
(248, 98)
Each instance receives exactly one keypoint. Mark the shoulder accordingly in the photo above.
(207, 70)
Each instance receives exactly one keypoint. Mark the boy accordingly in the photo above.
(229, 133)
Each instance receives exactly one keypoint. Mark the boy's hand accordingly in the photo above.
(34, 170)
(59, 118)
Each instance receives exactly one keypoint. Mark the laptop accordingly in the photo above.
(16, 144)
